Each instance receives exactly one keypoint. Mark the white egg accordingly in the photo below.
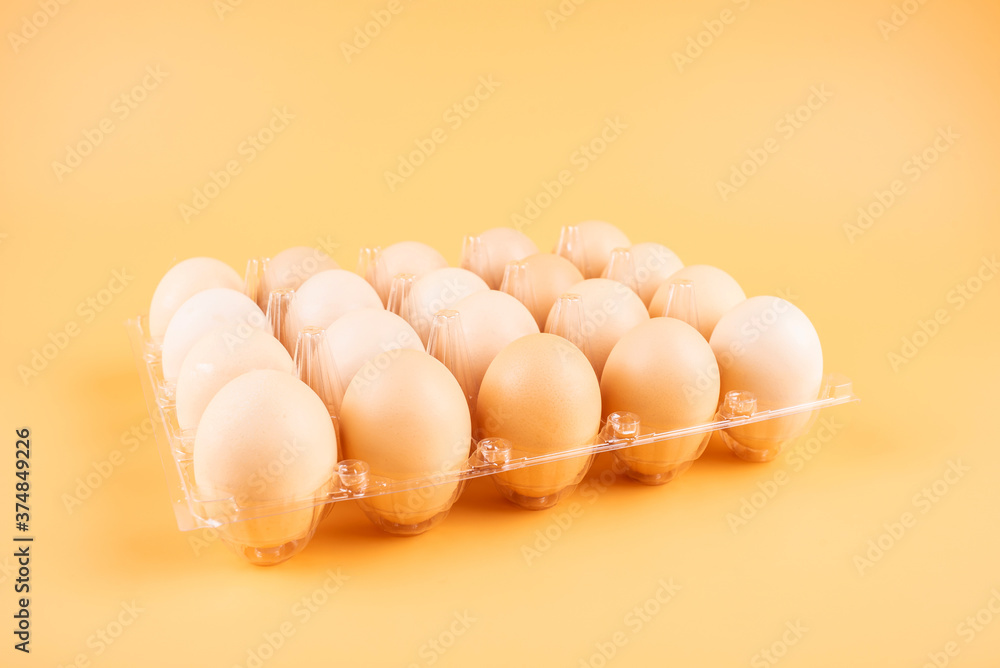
(207, 310)
(359, 336)
(327, 296)
(654, 263)
(406, 257)
(437, 290)
(217, 358)
(266, 441)
(291, 268)
(181, 282)
(490, 321)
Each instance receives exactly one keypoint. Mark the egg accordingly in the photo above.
(405, 257)
(217, 358)
(609, 310)
(437, 290)
(654, 263)
(181, 282)
(715, 293)
(595, 240)
(539, 280)
(291, 268)
(328, 295)
(541, 394)
(767, 346)
(266, 441)
(359, 336)
(204, 311)
(490, 321)
(410, 420)
(665, 372)
(496, 247)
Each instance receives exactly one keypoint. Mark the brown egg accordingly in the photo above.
(768, 347)
(541, 394)
(654, 263)
(540, 280)
(596, 240)
(491, 320)
(408, 420)
(665, 372)
(715, 292)
(497, 247)
(609, 310)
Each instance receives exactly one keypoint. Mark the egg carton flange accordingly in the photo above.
(352, 479)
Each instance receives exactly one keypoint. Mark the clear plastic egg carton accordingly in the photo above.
(272, 533)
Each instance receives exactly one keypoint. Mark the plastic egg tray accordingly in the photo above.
(620, 434)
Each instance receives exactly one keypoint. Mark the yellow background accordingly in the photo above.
(322, 181)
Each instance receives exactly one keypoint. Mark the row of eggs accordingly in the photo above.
(406, 415)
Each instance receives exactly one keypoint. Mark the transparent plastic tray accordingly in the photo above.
(651, 458)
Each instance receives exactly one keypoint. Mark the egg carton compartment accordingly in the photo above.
(268, 533)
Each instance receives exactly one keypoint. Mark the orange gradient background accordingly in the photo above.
(322, 181)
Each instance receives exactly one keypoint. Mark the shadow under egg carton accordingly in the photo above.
(267, 534)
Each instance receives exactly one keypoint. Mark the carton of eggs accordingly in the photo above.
(640, 355)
